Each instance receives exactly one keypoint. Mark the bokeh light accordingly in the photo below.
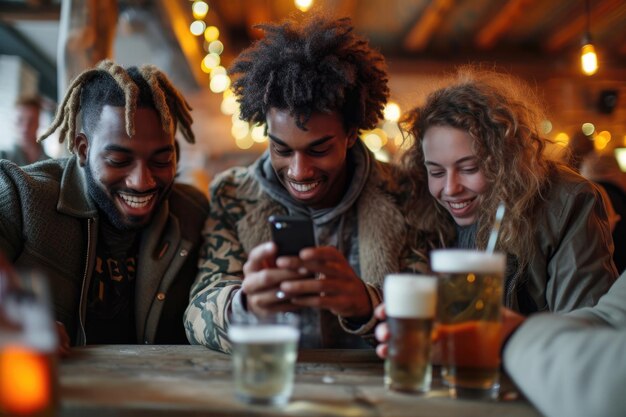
(219, 83)
(216, 47)
(197, 27)
(588, 128)
(562, 139)
(199, 9)
(392, 112)
(244, 143)
(211, 33)
(258, 134)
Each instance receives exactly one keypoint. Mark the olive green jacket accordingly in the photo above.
(48, 222)
(572, 266)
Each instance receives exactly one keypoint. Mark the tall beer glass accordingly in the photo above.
(470, 297)
(264, 352)
(410, 302)
(28, 342)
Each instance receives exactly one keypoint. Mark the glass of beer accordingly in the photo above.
(410, 303)
(28, 343)
(264, 352)
(468, 330)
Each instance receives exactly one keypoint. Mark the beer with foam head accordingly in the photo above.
(264, 357)
(410, 302)
(469, 326)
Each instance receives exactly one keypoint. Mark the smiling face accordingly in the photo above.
(311, 164)
(128, 178)
(454, 177)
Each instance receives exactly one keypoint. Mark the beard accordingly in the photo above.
(110, 212)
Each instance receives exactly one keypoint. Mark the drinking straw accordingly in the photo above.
(495, 229)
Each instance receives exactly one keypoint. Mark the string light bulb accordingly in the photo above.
(303, 5)
(588, 56)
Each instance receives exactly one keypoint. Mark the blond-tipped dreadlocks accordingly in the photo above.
(110, 84)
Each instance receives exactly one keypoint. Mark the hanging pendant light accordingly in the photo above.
(588, 57)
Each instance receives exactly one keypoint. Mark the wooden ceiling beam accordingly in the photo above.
(489, 35)
(12, 12)
(422, 31)
(576, 27)
(346, 8)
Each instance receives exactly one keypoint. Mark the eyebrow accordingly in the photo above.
(471, 158)
(117, 148)
(311, 145)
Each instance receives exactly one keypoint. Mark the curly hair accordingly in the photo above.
(110, 84)
(317, 65)
(503, 117)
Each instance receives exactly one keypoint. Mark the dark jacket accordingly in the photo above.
(618, 200)
(48, 222)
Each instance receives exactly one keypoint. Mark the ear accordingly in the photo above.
(353, 136)
(81, 148)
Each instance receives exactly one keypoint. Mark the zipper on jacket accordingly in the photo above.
(82, 287)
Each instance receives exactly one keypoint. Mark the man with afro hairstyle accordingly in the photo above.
(114, 235)
(314, 84)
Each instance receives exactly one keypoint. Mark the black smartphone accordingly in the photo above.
(291, 234)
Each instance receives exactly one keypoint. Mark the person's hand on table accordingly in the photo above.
(336, 287)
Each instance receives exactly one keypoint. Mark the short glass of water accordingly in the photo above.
(264, 352)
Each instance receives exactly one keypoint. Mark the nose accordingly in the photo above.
(300, 167)
(140, 178)
(453, 185)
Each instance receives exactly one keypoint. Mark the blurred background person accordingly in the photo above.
(604, 170)
(26, 149)
(578, 147)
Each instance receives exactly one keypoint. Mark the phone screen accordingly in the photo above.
(291, 234)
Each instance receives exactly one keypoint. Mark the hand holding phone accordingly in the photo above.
(291, 234)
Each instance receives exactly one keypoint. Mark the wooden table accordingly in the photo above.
(194, 381)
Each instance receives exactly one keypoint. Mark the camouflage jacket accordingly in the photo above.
(238, 222)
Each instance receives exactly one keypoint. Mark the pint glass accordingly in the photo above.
(410, 302)
(264, 352)
(28, 342)
(470, 297)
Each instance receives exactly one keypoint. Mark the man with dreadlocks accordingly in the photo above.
(314, 84)
(116, 237)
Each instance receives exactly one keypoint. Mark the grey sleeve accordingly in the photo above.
(575, 364)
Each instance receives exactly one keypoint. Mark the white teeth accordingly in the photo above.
(303, 188)
(458, 206)
(136, 201)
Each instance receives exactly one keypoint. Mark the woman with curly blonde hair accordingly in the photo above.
(478, 143)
